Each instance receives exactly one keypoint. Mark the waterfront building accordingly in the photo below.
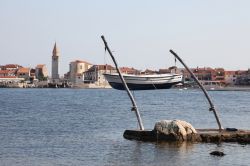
(219, 75)
(243, 77)
(148, 71)
(172, 69)
(33, 76)
(230, 77)
(8, 76)
(41, 72)
(175, 70)
(9, 70)
(164, 71)
(205, 73)
(77, 69)
(5, 73)
(11, 67)
(11, 81)
(95, 74)
(55, 64)
(128, 70)
(23, 73)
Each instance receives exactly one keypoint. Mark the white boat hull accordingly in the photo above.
(144, 82)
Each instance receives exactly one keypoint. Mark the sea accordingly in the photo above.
(64, 127)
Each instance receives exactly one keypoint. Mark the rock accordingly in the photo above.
(217, 153)
(177, 129)
(231, 129)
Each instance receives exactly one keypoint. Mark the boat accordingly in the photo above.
(143, 82)
(212, 85)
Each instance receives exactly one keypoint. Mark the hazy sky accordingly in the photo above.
(212, 33)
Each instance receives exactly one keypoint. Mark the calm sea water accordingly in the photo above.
(85, 127)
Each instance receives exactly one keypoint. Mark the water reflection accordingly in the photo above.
(147, 153)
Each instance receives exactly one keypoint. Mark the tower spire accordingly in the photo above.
(55, 64)
(55, 50)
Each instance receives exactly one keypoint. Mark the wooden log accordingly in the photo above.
(153, 136)
(203, 135)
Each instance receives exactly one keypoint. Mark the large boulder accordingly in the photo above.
(176, 130)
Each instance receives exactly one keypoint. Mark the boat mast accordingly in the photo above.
(212, 108)
(134, 107)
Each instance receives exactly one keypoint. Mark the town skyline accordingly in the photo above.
(175, 61)
(83, 74)
(151, 71)
(208, 33)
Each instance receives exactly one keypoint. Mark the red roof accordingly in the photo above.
(23, 70)
(129, 70)
(126, 69)
(4, 71)
(11, 66)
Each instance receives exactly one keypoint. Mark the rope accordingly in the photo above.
(153, 84)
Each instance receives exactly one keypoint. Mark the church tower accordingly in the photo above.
(55, 64)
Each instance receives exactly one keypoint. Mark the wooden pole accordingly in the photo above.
(134, 108)
(212, 108)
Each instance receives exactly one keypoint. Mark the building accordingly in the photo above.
(77, 69)
(55, 64)
(243, 77)
(164, 71)
(5, 73)
(32, 75)
(41, 72)
(11, 67)
(11, 82)
(204, 74)
(23, 73)
(9, 70)
(219, 75)
(148, 71)
(8, 76)
(128, 70)
(230, 77)
(95, 74)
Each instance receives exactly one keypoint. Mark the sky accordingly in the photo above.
(140, 33)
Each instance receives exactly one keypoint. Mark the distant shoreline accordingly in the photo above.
(229, 88)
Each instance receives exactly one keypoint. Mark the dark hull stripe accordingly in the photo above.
(120, 86)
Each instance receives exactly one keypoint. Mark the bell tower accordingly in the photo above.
(55, 64)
